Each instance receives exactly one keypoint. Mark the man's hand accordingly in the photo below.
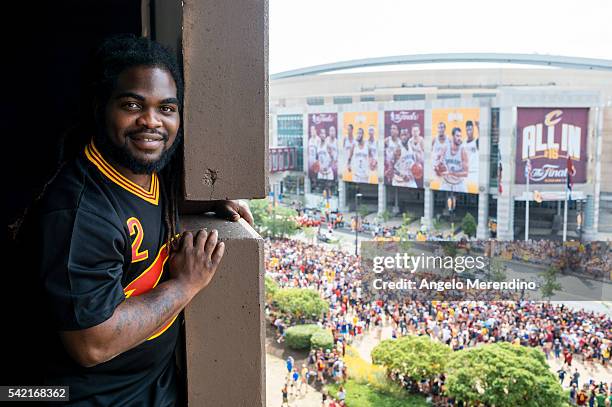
(195, 261)
(192, 267)
(232, 210)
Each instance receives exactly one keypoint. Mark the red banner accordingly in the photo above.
(322, 146)
(546, 137)
(404, 148)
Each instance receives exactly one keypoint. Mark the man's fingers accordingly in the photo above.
(186, 240)
(227, 211)
(218, 253)
(211, 242)
(245, 212)
(200, 241)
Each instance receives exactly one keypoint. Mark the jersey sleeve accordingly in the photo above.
(81, 267)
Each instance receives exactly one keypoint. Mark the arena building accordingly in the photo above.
(484, 138)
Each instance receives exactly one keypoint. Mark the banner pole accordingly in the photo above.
(527, 202)
(565, 218)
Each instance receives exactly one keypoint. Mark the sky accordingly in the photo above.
(313, 32)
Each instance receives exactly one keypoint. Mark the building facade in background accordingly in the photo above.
(409, 140)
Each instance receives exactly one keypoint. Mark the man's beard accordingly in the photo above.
(122, 156)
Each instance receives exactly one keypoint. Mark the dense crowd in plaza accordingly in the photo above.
(563, 333)
(592, 258)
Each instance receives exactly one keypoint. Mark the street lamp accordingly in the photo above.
(357, 196)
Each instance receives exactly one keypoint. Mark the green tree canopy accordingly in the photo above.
(310, 232)
(550, 285)
(259, 209)
(468, 225)
(271, 287)
(504, 375)
(417, 357)
(273, 221)
(300, 303)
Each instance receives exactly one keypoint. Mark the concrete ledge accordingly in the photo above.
(224, 324)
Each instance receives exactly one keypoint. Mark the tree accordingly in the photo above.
(437, 225)
(417, 357)
(385, 215)
(468, 225)
(281, 222)
(497, 269)
(503, 375)
(449, 248)
(404, 231)
(300, 304)
(550, 285)
(271, 287)
(259, 209)
(363, 211)
(273, 221)
(310, 232)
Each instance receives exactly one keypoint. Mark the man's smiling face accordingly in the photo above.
(141, 119)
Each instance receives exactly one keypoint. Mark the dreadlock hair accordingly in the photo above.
(113, 56)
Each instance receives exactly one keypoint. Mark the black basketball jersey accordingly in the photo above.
(102, 240)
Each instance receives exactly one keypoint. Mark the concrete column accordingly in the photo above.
(307, 187)
(342, 196)
(505, 200)
(428, 211)
(382, 198)
(484, 179)
(591, 213)
(224, 324)
(589, 222)
(482, 231)
(226, 76)
(396, 200)
(226, 157)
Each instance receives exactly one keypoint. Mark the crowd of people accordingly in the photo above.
(592, 258)
(563, 333)
(322, 367)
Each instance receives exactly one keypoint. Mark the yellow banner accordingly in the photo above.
(455, 159)
(359, 147)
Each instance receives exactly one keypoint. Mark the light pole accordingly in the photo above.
(528, 198)
(357, 196)
(579, 221)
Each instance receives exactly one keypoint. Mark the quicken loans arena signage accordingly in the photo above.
(546, 138)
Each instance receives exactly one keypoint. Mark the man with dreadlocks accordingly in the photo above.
(112, 278)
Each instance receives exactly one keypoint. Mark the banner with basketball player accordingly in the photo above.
(454, 149)
(359, 146)
(404, 148)
(322, 147)
(546, 138)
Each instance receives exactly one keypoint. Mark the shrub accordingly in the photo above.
(271, 288)
(468, 225)
(322, 339)
(504, 375)
(300, 303)
(298, 337)
(417, 357)
(363, 372)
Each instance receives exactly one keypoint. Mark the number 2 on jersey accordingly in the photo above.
(135, 227)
